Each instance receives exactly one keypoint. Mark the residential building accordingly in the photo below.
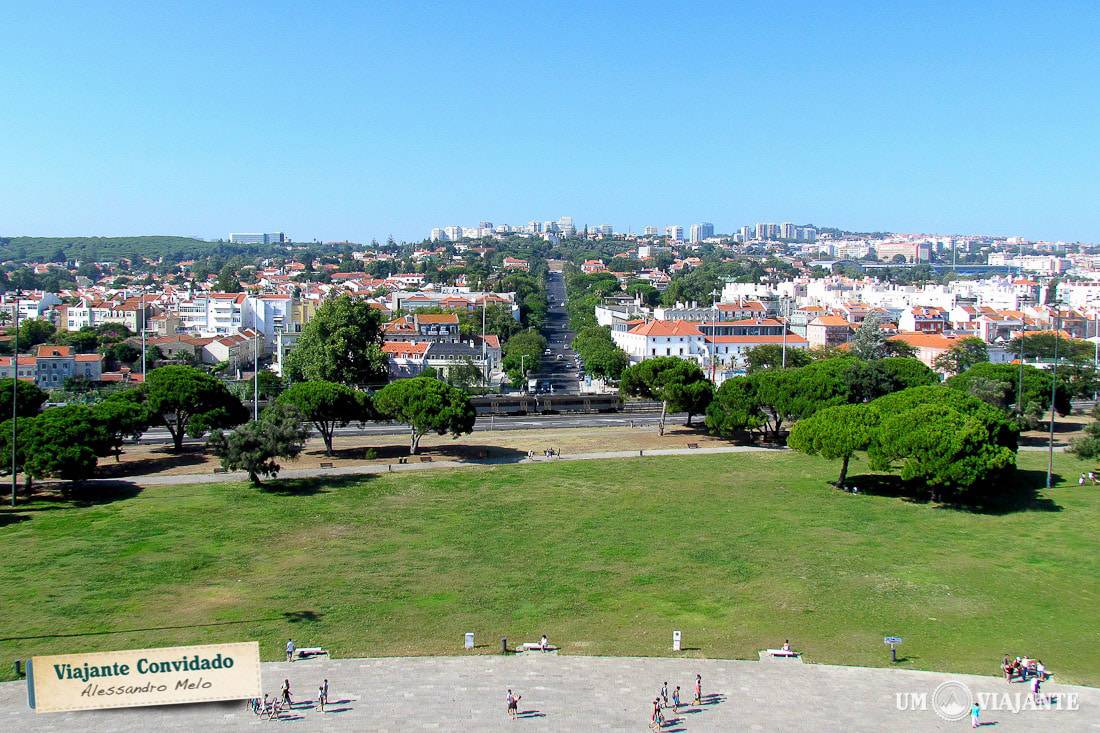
(257, 238)
(699, 232)
(430, 327)
(828, 330)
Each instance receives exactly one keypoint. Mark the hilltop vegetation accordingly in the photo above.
(112, 248)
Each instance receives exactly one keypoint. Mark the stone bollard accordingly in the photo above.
(504, 645)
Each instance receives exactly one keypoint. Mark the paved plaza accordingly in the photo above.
(569, 693)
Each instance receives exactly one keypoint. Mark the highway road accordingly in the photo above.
(558, 372)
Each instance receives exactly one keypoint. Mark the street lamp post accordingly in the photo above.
(1053, 388)
(14, 398)
(256, 376)
(143, 332)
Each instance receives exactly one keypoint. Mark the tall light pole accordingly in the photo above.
(1053, 388)
(785, 318)
(256, 376)
(484, 361)
(143, 332)
(14, 397)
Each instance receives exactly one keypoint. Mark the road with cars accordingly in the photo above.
(559, 369)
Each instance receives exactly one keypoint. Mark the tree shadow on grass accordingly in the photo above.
(313, 485)
(63, 495)
(1019, 493)
(9, 517)
(162, 461)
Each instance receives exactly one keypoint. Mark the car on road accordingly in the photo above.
(546, 353)
(561, 356)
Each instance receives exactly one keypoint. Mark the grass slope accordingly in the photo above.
(739, 551)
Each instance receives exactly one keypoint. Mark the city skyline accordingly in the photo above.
(145, 120)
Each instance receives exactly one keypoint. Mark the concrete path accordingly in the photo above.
(415, 465)
(588, 694)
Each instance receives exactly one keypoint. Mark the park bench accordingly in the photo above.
(781, 653)
(326, 465)
(693, 445)
(220, 470)
(534, 646)
(311, 651)
(425, 459)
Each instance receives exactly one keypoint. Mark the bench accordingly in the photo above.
(693, 445)
(326, 465)
(534, 646)
(425, 459)
(781, 653)
(310, 651)
(220, 470)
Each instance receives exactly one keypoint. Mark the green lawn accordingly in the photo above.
(740, 551)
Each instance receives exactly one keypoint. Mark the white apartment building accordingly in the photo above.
(713, 345)
(675, 233)
(699, 232)
(213, 314)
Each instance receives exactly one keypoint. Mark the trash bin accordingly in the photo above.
(469, 640)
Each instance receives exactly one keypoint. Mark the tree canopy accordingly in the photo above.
(679, 384)
(328, 405)
(600, 355)
(770, 356)
(962, 355)
(836, 433)
(342, 343)
(426, 405)
(28, 398)
(190, 402)
(254, 446)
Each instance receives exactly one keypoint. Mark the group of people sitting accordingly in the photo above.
(1022, 668)
(1091, 478)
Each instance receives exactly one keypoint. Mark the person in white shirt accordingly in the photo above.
(290, 650)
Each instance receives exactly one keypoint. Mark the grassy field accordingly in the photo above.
(740, 551)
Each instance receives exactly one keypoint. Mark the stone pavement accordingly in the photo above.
(568, 693)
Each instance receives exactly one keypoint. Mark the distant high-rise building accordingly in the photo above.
(485, 225)
(746, 233)
(699, 232)
(787, 231)
(606, 230)
(550, 226)
(535, 227)
(566, 221)
(250, 238)
(761, 231)
(649, 231)
(454, 233)
(675, 233)
(568, 230)
(438, 234)
(809, 234)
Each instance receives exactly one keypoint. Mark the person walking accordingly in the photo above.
(664, 695)
(656, 720)
(290, 650)
(975, 715)
(1035, 683)
(325, 688)
(676, 699)
(698, 690)
(286, 693)
(321, 698)
(513, 704)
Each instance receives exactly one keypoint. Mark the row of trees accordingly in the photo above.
(600, 355)
(938, 439)
(66, 442)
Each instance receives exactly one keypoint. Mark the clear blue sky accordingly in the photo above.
(362, 119)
